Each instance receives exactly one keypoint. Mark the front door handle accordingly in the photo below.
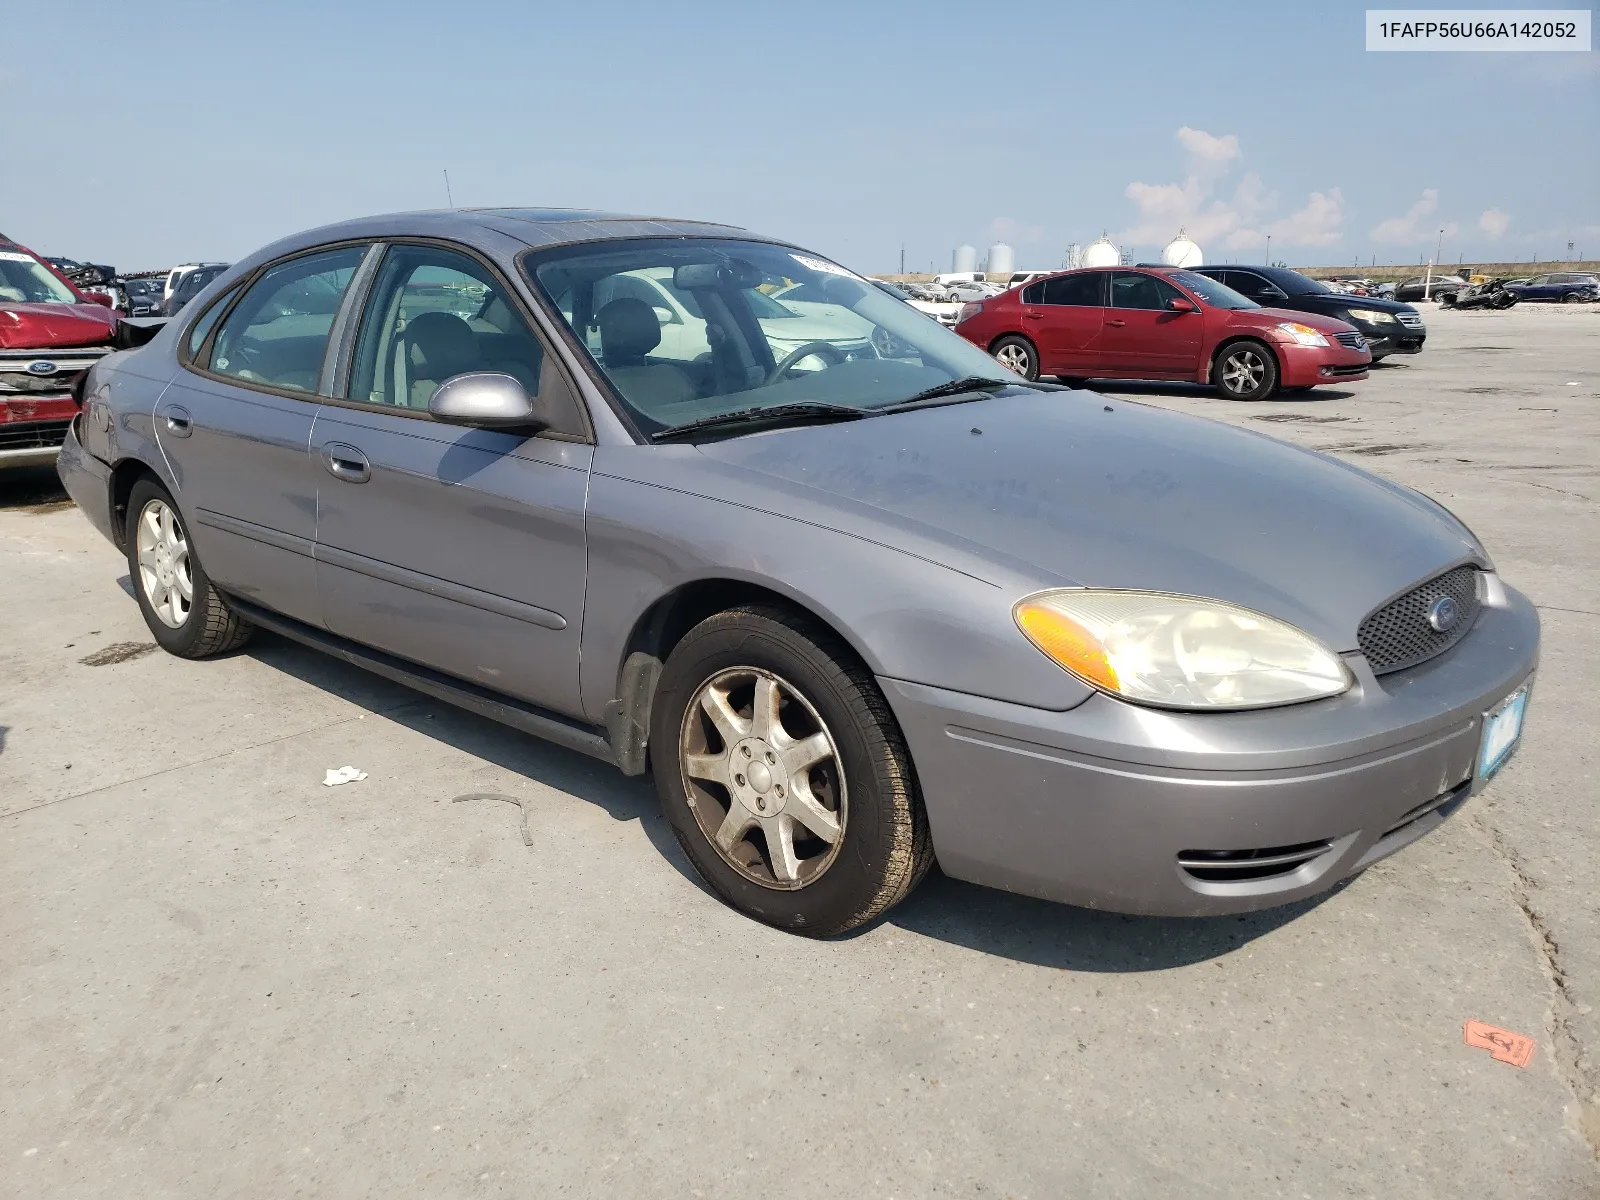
(1116, 324)
(346, 462)
(1027, 316)
(179, 422)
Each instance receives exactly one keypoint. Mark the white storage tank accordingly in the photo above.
(1101, 253)
(964, 259)
(1181, 252)
(1002, 259)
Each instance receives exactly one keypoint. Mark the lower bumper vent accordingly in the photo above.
(1244, 866)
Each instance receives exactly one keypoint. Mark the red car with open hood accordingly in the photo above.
(1161, 323)
(50, 333)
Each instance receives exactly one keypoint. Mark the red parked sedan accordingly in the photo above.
(1161, 323)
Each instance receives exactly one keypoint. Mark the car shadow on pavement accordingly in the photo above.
(622, 797)
(1079, 939)
(1129, 389)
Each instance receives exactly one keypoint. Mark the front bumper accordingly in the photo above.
(1096, 806)
(32, 428)
(1307, 366)
(1394, 339)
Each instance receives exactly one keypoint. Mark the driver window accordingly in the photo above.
(278, 332)
(1131, 290)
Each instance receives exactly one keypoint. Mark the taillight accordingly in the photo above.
(969, 310)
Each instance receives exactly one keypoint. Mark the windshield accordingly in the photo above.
(1210, 291)
(1295, 284)
(688, 328)
(25, 280)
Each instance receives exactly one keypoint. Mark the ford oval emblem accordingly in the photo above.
(1443, 614)
(42, 366)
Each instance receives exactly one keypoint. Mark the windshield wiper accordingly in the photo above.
(776, 412)
(956, 387)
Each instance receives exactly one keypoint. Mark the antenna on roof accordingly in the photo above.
(448, 198)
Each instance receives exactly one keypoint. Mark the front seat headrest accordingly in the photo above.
(628, 331)
(444, 343)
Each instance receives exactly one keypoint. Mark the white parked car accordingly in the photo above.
(943, 311)
(976, 289)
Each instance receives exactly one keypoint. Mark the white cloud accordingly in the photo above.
(1316, 224)
(1008, 229)
(1494, 222)
(1208, 154)
(1415, 226)
(1237, 220)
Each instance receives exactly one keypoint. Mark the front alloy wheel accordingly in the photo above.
(775, 807)
(1247, 372)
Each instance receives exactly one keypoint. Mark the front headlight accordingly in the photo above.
(1302, 334)
(1372, 316)
(1179, 651)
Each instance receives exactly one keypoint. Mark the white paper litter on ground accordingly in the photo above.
(342, 775)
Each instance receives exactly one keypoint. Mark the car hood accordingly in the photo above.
(54, 326)
(1266, 317)
(816, 323)
(1348, 300)
(1072, 488)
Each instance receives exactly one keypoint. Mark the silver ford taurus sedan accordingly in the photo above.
(705, 504)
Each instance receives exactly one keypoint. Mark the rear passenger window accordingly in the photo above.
(278, 333)
(1033, 294)
(1082, 291)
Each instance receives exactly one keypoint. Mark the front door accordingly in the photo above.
(1062, 315)
(235, 426)
(461, 549)
(1145, 338)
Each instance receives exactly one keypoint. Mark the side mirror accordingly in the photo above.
(99, 298)
(487, 399)
(1179, 304)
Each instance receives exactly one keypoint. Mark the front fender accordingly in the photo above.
(908, 617)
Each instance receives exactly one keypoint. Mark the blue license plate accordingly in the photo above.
(1501, 729)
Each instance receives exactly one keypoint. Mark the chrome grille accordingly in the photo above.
(1351, 341)
(1410, 319)
(36, 435)
(17, 379)
(1398, 635)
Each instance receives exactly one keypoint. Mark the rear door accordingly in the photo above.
(1062, 315)
(461, 549)
(1143, 335)
(235, 426)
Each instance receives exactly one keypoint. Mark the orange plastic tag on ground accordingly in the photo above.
(1502, 1044)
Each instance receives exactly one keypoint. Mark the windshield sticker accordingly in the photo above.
(828, 268)
(12, 256)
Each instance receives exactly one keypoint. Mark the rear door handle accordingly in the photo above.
(179, 422)
(1116, 324)
(346, 462)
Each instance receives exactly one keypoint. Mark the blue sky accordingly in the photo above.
(157, 132)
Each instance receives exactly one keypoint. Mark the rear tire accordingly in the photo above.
(1572, 298)
(1073, 381)
(848, 838)
(1017, 353)
(186, 615)
(1245, 371)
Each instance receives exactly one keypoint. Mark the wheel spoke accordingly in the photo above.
(710, 767)
(165, 527)
(807, 752)
(733, 827)
(808, 810)
(764, 721)
(147, 556)
(184, 581)
(150, 526)
(729, 724)
(779, 831)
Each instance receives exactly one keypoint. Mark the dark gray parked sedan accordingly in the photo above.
(584, 474)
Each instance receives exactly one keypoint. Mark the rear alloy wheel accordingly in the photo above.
(1017, 354)
(784, 775)
(1572, 298)
(185, 614)
(1246, 371)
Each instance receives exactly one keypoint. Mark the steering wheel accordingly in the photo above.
(825, 350)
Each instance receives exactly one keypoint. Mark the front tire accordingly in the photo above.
(186, 615)
(1017, 353)
(784, 775)
(1246, 371)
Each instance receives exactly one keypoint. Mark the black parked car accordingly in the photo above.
(191, 285)
(1421, 287)
(1388, 326)
(144, 297)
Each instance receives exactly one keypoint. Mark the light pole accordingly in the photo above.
(1269, 249)
(1439, 249)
